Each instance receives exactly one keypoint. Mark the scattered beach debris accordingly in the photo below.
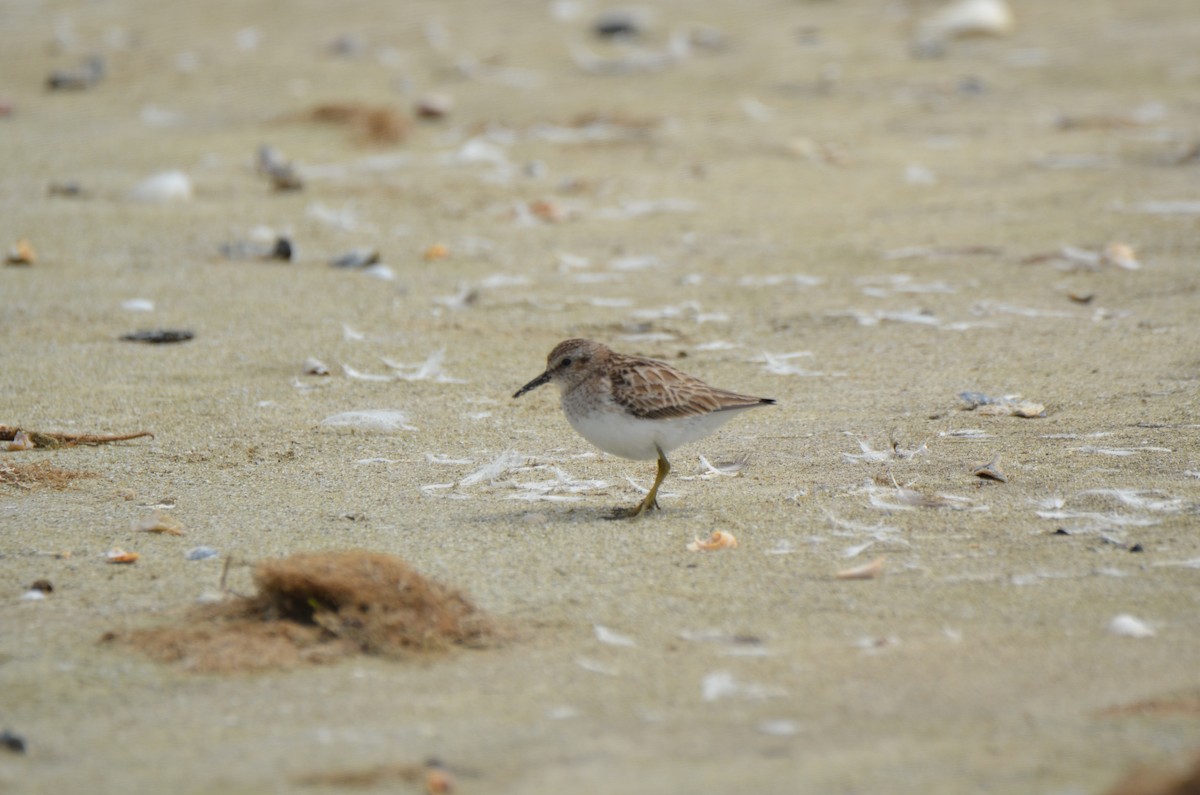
(200, 553)
(720, 539)
(606, 635)
(961, 19)
(118, 555)
(68, 188)
(20, 441)
(32, 476)
(867, 571)
(722, 684)
(282, 172)
(433, 775)
(356, 258)
(990, 471)
(165, 186)
(620, 23)
(371, 124)
(21, 253)
(80, 78)
(1115, 254)
(160, 523)
(38, 590)
(434, 106)
(634, 59)
(55, 439)
(159, 336)
(435, 252)
(315, 607)
(942, 252)
(1128, 626)
(11, 741)
(1002, 406)
(314, 366)
(369, 420)
(280, 249)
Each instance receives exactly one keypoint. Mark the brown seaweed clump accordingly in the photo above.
(317, 607)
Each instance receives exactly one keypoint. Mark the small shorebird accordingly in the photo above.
(635, 408)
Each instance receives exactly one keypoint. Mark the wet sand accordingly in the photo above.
(791, 166)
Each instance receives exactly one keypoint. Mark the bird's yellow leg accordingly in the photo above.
(651, 501)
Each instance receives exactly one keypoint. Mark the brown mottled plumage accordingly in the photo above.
(633, 407)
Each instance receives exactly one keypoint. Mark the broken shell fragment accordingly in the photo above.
(435, 252)
(435, 106)
(166, 186)
(314, 366)
(718, 540)
(965, 18)
(81, 78)
(21, 253)
(990, 471)
(118, 555)
(20, 441)
(1121, 255)
(159, 522)
(356, 258)
(278, 169)
(867, 571)
(1130, 627)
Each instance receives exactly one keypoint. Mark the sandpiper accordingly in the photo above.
(635, 408)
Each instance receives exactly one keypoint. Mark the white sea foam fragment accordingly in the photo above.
(358, 375)
(165, 186)
(445, 460)
(639, 208)
(777, 727)
(429, 370)
(722, 684)
(868, 454)
(596, 667)
(491, 471)
(1153, 501)
(776, 364)
(780, 280)
(375, 420)
(1129, 626)
(634, 263)
(612, 638)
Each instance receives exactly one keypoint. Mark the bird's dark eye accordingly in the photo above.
(566, 362)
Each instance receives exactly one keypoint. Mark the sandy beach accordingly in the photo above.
(819, 202)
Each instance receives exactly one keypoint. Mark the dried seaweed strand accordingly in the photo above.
(52, 440)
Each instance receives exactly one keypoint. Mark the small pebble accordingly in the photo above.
(13, 742)
(69, 188)
(159, 336)
(356, 258)
(80, 78)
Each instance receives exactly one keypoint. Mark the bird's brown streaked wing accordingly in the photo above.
(654, 390)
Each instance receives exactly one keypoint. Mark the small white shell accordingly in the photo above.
(165, 186)
(1129, 626)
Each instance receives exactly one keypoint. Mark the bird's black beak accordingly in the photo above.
(534, 384)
